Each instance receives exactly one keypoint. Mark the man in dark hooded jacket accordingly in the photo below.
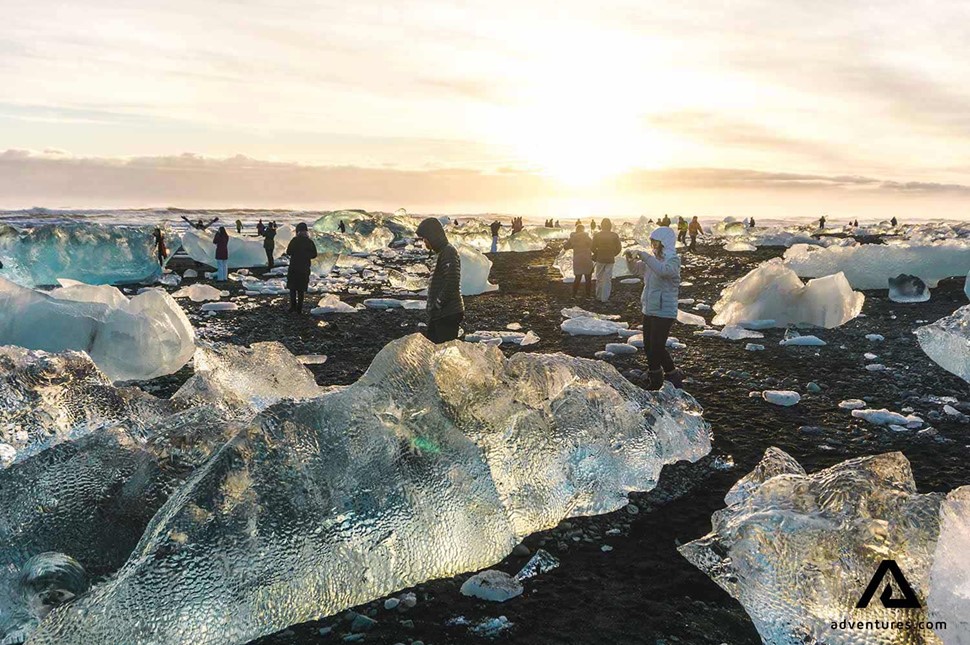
(445, 306)
(301, 250)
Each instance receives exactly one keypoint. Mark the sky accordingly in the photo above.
(565, 108)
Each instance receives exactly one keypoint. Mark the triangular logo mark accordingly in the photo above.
(909, 599)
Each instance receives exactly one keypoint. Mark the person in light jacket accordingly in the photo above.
(660, 270)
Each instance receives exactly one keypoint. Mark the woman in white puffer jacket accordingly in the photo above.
(660, 271)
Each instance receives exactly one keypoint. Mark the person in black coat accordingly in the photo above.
(301, 250)
(445, 305)
(269, 243)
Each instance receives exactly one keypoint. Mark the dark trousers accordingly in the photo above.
(655, 333)
(296, 299)
(693, 243)
(682, 237)
(269, 258)
(443, 329)
(579, 278)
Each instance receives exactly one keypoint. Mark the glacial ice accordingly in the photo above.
(869, 266)
(492, 585)
(690, 319)
(785, 398)
(908, 288)
(740, 247)
(145, 337)
(772, 291)
(91, 253)
(947, 342)
(579, 312)
(439, 460)
(884, 417)
(807, 340)
(331, 304)
(46, 399)
(220, 306)
(241, 381)
(244, 250)
(583, 326)
(798, 550)
(949, 596)
(475, 268)
(198, 293)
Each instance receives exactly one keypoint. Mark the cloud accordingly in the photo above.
(57, 179)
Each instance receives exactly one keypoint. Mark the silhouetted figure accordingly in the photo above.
(893, 221)
(516, 225)
(557, 224)
(582, 246)
(606, 246)
(239, 226)
(821, 221)
(221, 240)
(269, 243)
(665, 221)
(260, 228)
(301, 250)
(592, 225)
(342, 226)
(160, 251)
(200, 225)
(694, 229)
(682, 230)
(495, 227)
(445, 305)
(660, 271)
(857, 223)
(752, 223)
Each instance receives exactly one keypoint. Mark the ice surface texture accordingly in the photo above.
(947, 341)
(773, 291)
(49, 398)
(244, 250)
(798, 550)
(950, 574)
(437, 461)
(475, 268)
(869, 266)
(91, 253)
(141, 338)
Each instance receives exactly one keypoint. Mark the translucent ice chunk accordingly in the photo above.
(244, 380)
(947, 341)
(784, 398)
(92, 253)
(475, 268)
(798, 551)
(331, 304)
(540, 562)
(869, 266)
(437, 461)
(949, 598)
(583, 326)
(908, 288)
(198, 293)
(145, 337)
(46, 399)
(773, 291)
(496, 586)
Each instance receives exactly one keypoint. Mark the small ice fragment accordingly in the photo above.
(852, 404)
(754, 347)
(540, 562)
(493, 585)
(784, 398)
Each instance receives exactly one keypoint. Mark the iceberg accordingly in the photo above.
(869, 266)
(908, 288)
(46, 399)
(475, 268)
(91, 253)
(241, 381)
(947, 342)
(798, 551)
(439, 460)
(949, 598)
(244, 250)
(141, 338)
(772, 291)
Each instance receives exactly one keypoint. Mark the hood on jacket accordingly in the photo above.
(668, 238)
(432, 230)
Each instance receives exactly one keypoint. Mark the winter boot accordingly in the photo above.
(655, 379)
(676, 377)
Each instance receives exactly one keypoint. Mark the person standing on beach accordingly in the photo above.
(342, 226)
(606, 246)
(239, 226)
(260, 228)
(221, 240)
(894, 221)
(269, 243)
(694, 229)
(592, 225)
(495, 227)
(445, 305)
(582, 247)
(301, 250)
(660, 270)
(681, 230)
(821, 221)
(160, 251)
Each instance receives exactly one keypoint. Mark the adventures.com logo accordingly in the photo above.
(906, 601)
